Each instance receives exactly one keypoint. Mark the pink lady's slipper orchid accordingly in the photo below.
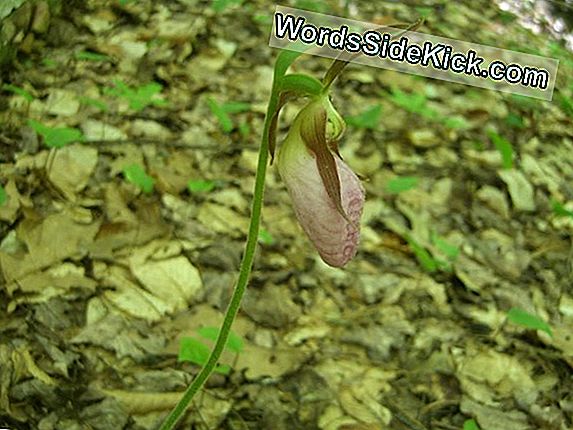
(327, 195)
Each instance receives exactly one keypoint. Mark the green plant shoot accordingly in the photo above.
(56, 137)
(471, 425)
(560, 210)
(265, 237)
(504, 148)
(135, 174)
(200, 186)
(401, 184)
(138, 97)
(19, 91)
(367, 119)
(223, 111)
(525, 319)
(3, 196)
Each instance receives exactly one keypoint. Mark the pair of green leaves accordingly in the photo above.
(56, 137)
(223, 112)
(428, 261)
(197, 351)
(137, 97)
(417, 104)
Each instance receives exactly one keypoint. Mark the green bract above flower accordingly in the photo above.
(327, 195)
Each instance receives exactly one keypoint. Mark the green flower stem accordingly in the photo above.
(240, 287)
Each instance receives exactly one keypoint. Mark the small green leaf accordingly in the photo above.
(236, 107)
(88, 101)
(221, 5)
(471, 425)
(234, 343)
(560, 210)
(222, 116)
(525, 319)
(91, 56)
(193, 350)
(504, 148)
(301, 84)
(19, 91)
(138, 97)
(196, 352)
(3, 196)
(423, 256)
(200, 186)
(514, 120)
(135, 174)
(401, 184)
(526, 103)
(449, 250)
(56, 137)
(265, 237)
(456, 122)
(367, 119)
(415, 103)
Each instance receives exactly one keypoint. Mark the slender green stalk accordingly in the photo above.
(305, 84)
(240, 287)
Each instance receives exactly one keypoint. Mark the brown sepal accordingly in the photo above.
(313, 133)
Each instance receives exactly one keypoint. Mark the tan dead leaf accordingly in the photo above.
(52, 239)
(70, 168)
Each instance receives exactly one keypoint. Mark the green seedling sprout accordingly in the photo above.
(200, 186)
(135, 174)
(504, 148)
(514, 120)
(234, 344)
(265, 237)
(366, 119)
(401, 184)
(196, 351)
(284, 89)
(525, 319)
(445, 247)
(471, 425)
(98, 104)
(560, 210)
(18, 91)
(417, 104)
(412, 102)
(57, 137)
(455, 122)
(3, 196)
(423, 256)
(223, 111)
(138, 97)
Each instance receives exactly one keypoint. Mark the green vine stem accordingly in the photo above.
(283, 61)
(238, 292)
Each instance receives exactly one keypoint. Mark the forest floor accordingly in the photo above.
(128, 148)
